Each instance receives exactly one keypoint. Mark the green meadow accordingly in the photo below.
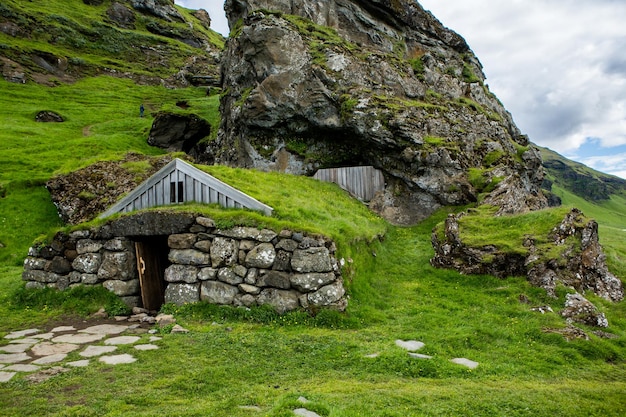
(237, 362)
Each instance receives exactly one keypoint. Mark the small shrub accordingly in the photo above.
(492, 157)
(418, 68)
(468, 74)
(86, 195)
(451, 71)
(348, 103)
(299, 147)
(434, 140)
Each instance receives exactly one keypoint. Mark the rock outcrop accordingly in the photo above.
(575, 258)
(160, 8)
(310, 85)
(81, 195)
(176, 133)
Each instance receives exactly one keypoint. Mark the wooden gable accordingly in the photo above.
(180, 182)
(363, 182)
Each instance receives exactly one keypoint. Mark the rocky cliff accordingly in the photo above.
(310, 85)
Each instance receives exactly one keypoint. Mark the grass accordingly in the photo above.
(234, 358)
(481, 228)
(102, 123)
(80, 33)
(259, 359)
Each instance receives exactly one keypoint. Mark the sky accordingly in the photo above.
(559, 67)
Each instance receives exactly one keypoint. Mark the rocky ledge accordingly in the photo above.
(577, 262)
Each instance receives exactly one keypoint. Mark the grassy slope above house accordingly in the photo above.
(90, 42)
(101, 122)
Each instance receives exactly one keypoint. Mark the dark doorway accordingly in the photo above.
(152, 259)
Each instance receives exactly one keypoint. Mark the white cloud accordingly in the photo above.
(612, 164)
(558, 66)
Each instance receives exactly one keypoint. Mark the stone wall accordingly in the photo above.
(240, 266)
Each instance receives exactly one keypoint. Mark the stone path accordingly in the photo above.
(32, 351)
(412, 345)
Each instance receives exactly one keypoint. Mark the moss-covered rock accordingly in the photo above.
(349, 92)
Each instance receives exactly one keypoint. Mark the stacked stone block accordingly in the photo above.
(240, 266)
(246, 266)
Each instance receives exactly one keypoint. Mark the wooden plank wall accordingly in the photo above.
(194, 190)
(180, 182)
(362, 182)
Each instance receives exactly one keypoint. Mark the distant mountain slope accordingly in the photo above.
(579, 179)
(63, 40)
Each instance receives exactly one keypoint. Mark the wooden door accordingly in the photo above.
(151, 268)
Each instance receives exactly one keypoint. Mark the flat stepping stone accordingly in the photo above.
(419, 356)
(79, 364)
(410, 345)
(26, 341)
(45, 336)
(15, 348)
(63, 329)
(122, 340)
(117, 359)
(6, 376)
(465, 362)
(46, 360)
(146, 347)
(78, 338)
(155, 338)
(22, 368)
(372, 355)
(105, 329)
(21, 333)
(13, 357)
(91, 351)
(303, 412)
(47, 348)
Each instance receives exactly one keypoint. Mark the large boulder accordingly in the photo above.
(159, 8)
(309, 85)
(204, 18)
(47, 116)
(175, 132)
(578, 309)
(121, 16)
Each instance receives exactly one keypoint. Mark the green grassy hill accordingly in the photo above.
(238, 362)
(580, 180)
(59, 41)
